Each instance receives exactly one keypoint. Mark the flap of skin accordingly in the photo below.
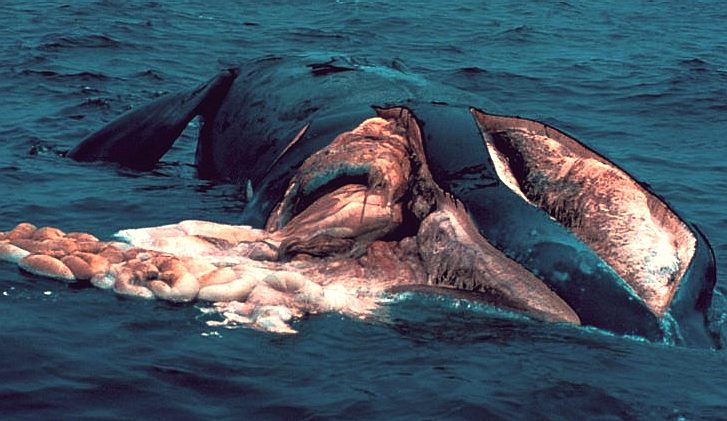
(629, 227)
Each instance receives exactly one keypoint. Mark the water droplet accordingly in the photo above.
(560, 276)
(586, 268)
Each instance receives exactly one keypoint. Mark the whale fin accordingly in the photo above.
(139, 138)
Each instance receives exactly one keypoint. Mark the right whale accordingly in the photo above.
(608, 246)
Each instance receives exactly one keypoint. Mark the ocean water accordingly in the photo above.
(643, 82)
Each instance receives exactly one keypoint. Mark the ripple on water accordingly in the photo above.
(56, 42)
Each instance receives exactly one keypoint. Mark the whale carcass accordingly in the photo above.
(367, 178)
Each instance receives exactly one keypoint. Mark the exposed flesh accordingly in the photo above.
(630, 228)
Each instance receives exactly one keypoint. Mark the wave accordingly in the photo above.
(59, 42)
(318, 34)
(53, 75)
(475, 71)
(150, 74)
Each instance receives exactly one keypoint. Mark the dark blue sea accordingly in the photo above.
(642, 82)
